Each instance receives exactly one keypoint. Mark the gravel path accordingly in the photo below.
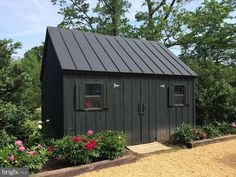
(214, 160)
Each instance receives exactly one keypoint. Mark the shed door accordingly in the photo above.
(140, 111)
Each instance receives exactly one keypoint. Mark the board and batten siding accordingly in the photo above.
(152, 92)
(51, 86)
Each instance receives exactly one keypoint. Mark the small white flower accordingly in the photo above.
(40, 126)
(40, 122)
(47, 120)
(5, 161)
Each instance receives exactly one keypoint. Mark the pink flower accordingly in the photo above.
(22, 148)
(11, 158)
(90, 132)
(33, 153)
(18, 143)
(233, 125)
(39, 145)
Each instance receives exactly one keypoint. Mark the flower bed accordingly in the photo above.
(72, 150)
(185, 133)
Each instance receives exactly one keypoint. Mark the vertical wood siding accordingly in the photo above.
(158, 121)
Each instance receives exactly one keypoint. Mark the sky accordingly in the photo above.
(26, 20)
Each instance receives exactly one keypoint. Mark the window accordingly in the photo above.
(93, 96)
(179, 95)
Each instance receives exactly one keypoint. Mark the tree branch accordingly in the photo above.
(158, 6)
(170, 8)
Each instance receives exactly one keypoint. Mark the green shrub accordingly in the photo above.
(183, 134)
(111, 144)
(89, 148)
(5, 138)
(211, 130)
(76, 150)
(16, 155)
(225, 128)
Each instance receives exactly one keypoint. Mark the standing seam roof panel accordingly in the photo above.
(173, 61)
(82, 51)
(75, 52)
(155, 59)
(108, 64)
(61, 50)
(112, 54)
(125, 57)
(91, 57)
(144, 57)
(137, 60)
(163, 58)
(184, 66)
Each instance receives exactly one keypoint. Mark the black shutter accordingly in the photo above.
(104, 95)
(186, 94)
(171, 95)
(79, 96)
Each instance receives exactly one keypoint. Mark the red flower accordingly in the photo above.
(90, 145)
(204, 135)
(50, 149)
(83, 140)
(75, 139)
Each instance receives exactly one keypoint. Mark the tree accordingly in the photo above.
(208, 32)
(111, 18)
(13, 81)
(108, 17)
(32, 65)
(161, 20)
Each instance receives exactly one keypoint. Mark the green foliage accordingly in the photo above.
(75, 152)
(89, 148)
(33, 161)
(31, 64)
(211, 130)
(111, 144)
(225, 128)
(161, 21)
(183, 134)
(216, 99)
(209, 33)
(5, 138)
(111, 17)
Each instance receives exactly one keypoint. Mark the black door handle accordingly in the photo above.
(139, 109)
(143, 111)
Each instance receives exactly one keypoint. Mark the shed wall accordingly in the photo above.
(158, 122)
(51, 81)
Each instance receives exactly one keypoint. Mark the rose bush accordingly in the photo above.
(17, 155)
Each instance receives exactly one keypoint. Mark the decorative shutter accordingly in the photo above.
(79, 96)
(186, 95)
(104, 95)
(171, 95)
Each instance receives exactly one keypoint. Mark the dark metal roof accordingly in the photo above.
(82, 51)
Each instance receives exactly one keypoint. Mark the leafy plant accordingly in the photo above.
(183, 134)
(89, 148)
(111, 144)
(17, 155)
(211, 130)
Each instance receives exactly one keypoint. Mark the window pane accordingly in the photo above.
(178, 100)
(92, 102)
(93, 89)
(179, 95)
(178, 89)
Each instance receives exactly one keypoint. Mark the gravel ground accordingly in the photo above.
(214, 160)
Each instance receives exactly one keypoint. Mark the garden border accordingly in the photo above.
(77, 170)
(193, 144)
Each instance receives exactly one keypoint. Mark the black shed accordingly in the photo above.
(99, 82)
